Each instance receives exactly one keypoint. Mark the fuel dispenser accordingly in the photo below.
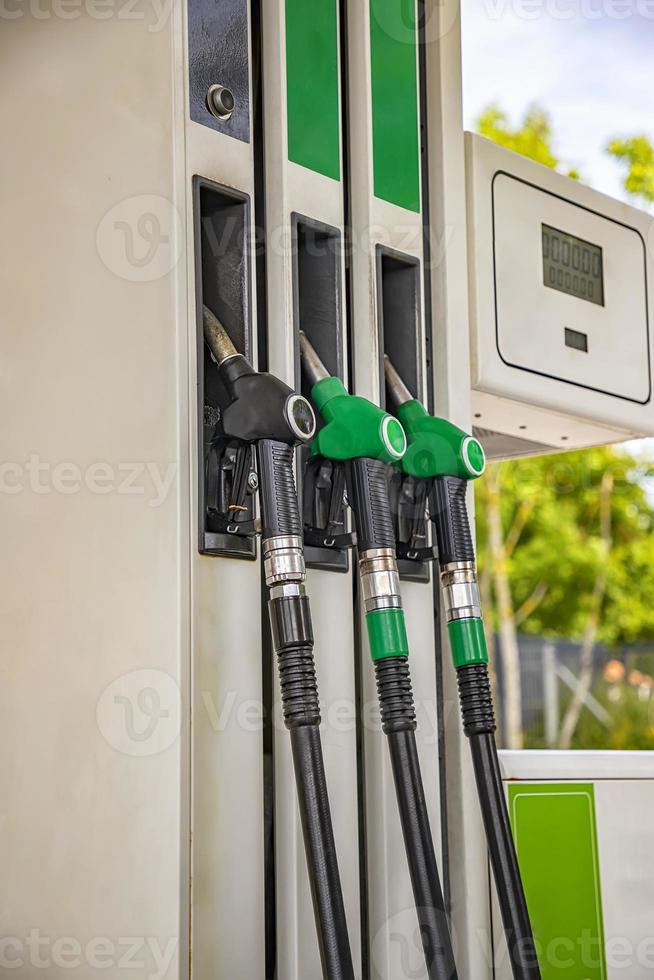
(298, 171)
(238, 127)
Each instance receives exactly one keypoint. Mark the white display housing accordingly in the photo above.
(560, 308)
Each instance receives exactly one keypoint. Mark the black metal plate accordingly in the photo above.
(219, 54)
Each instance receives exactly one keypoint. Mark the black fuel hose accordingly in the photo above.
(368, 494)
(290, 619)
(457, 556)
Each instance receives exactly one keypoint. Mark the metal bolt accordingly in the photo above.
(221, 102)
(253, 481)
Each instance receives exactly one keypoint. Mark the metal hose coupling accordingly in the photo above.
(460, 591)
(380, 580)
(283, 559)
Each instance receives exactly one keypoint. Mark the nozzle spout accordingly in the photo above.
(397, 390)
(313, 366)
(217, 337)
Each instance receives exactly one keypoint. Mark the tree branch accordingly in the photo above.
(523, 514)
(585, 678)
(531, 603)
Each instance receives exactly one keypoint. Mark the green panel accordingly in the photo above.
(556, 837)
(393, 48)
(312, 48)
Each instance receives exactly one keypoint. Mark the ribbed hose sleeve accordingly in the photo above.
(476, 700)
(395, 694)
(290, 622)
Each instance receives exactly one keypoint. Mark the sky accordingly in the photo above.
(588, 63)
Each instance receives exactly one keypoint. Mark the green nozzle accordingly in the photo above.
(436, 447)
(355, 428)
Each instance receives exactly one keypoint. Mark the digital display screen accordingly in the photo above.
(573, 266)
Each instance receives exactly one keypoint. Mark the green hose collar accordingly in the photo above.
(387, 634)
(468, 642)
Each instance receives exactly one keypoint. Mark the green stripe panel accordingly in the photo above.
(395, 133)
(555, 830)
(312, 53)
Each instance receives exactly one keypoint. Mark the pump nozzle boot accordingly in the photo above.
(260, 406)
(436, 446)
(355, 428)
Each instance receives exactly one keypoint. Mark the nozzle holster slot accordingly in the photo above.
(318, 312)
(226, 485)
(230, 526)
(408, 499)
(399, 316)
(325, 515)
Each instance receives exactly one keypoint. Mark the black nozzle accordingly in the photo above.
(259, 406)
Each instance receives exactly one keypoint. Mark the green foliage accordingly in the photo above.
(557, 499)
(631, 726)
(531, 138)
(637, 155)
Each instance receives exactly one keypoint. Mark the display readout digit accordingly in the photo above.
(573, 266)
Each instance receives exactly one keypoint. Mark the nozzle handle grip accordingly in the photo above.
(448, 510)
(280, 512)
(368, 489)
